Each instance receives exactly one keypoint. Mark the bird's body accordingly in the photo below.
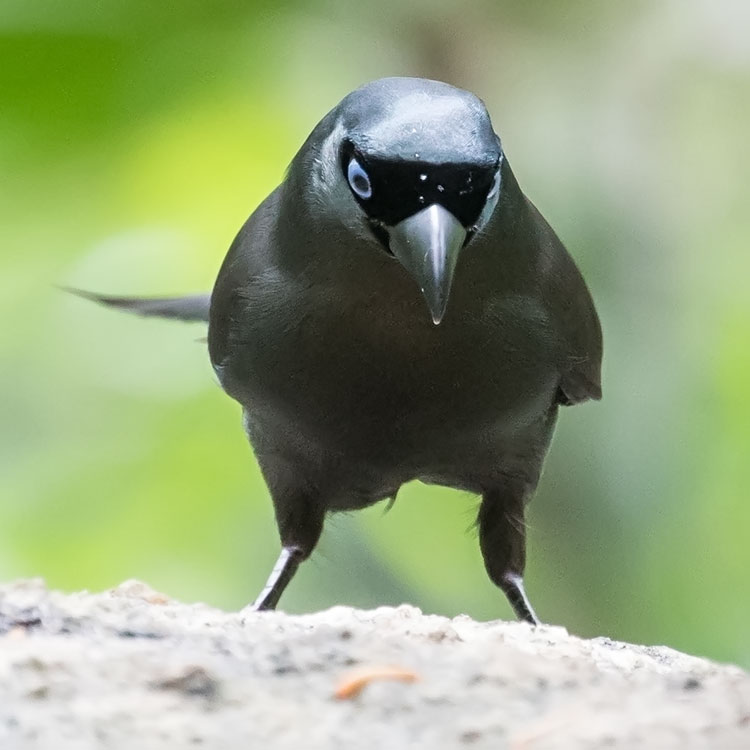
(353, 384)
(349, 390)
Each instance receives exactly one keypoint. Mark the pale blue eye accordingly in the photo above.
(495, 186)
(358, 180)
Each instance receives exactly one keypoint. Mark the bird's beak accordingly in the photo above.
(427, 245)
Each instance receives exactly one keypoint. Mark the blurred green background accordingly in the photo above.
(135, 138)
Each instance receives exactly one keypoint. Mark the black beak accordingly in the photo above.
(427, 244)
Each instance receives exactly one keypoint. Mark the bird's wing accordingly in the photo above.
(573, 311)
(581, 376)
(191, 308)
(245, 267)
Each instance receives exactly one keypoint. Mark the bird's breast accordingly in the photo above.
(376, 371)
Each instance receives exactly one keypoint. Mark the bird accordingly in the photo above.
(398, 310)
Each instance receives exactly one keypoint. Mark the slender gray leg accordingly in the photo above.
(299, 517)
(502, 539)
(516, 593)
(282, 573)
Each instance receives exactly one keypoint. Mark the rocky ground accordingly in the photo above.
(130, 668)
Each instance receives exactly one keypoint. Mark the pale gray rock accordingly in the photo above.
(131, 668)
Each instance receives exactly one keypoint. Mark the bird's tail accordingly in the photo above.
(192, 307)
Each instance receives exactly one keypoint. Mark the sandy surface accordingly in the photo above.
(130, 668)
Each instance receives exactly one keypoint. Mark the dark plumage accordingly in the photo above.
(190, 308)
(348, 386)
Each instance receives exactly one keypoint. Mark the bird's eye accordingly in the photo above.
(358, 180)
(495, 186)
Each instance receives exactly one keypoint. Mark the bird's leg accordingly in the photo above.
(282, 573)
(502, 539)
(300, 520)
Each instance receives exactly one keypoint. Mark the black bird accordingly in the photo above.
(350, 385)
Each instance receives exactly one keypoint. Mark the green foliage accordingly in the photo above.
(136, 137)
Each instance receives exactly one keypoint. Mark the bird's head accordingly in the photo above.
(413, 166)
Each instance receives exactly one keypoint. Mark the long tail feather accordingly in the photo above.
(189, 308)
